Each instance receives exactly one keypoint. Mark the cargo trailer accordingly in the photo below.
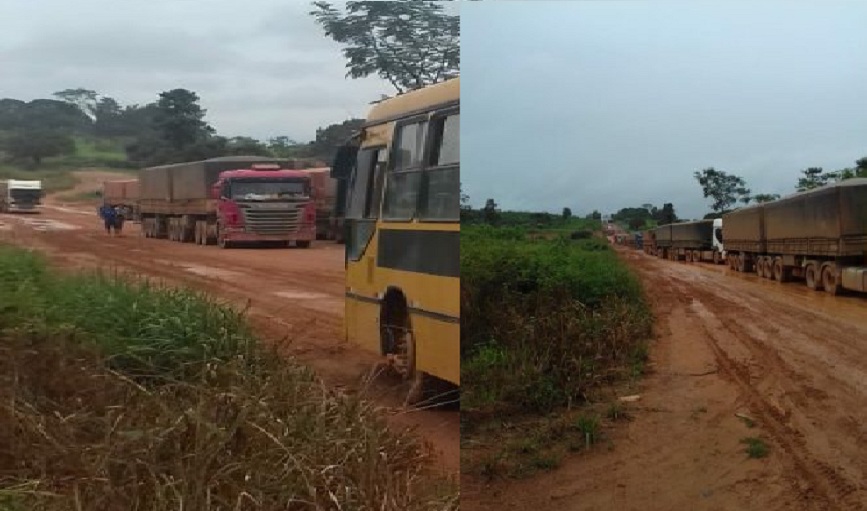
(819, 235)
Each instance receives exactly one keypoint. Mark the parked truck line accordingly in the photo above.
(226, 201)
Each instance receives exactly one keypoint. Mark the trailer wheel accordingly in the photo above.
(687, 257)
(717, 259)
(742, 263)
(778, 270)
(812, 277)
(829, 280)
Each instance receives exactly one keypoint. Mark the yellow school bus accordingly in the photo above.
(402, 232)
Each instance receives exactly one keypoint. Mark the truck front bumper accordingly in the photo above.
(306, 233)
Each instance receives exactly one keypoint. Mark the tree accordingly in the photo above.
(410, 43)
(107, 118)
(725, 189)
(40, 114)
(567, 213)
(38, 144)
(765, 197)
(283, 147)
(83, 99)
(814, 177)
(636, 223)
(490, 213)
(246, 146)
(331, 137)
(180, 120)
(665, 215)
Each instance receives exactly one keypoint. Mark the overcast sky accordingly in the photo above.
(261, 67)
(604, 105)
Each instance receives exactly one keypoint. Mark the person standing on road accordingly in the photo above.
(119, 217)
(109, 216)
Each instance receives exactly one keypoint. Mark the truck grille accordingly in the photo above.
(272, 219)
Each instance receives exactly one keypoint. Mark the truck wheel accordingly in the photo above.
(830, 281)
(742, 263)
(778, 270)
(812, 277)
(302, 243)
(767, 268)
(716, 257)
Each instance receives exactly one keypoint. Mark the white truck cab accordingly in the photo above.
(20, 195)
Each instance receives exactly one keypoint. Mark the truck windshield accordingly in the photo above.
(25, 194)
(268, 190)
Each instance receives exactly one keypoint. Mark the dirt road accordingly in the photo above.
(792, 360)
(295, 296)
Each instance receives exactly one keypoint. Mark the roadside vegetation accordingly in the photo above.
(120, 394)
(551, 322)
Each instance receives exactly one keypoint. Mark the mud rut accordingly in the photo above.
(293, 296)
(793, 360)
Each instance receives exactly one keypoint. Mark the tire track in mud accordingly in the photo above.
(825, 482)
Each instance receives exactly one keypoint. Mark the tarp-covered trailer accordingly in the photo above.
(819, 234)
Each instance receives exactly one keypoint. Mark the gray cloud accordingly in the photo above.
(262, 67)
(603, 105)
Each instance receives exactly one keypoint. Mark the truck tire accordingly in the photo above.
(742, 263)
(302, 243)
(813, 275)
(778, 269)
(829, 280)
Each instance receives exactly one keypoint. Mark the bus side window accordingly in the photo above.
(404, 179)
(442, 177)
(359, 183)
(374, 187)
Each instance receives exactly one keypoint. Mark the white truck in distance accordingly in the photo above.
(20, 195)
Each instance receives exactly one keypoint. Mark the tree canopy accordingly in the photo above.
(724, 189)
(410, 43)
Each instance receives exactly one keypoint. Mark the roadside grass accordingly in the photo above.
(755, 447)
(545, 323)
(117, 394)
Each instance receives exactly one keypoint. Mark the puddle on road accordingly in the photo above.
(301, 295)
(309, 300)
(40, 224)
(210, 271)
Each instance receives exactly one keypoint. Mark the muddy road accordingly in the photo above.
(293, 296)
(791, 360)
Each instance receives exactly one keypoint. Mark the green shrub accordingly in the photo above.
(544, 321)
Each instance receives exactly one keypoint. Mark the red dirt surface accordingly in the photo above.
(294, 297)
(793, 360)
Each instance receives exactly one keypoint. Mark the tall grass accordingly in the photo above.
(123, 395)
(544, 321)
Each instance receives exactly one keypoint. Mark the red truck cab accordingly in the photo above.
(264, 203)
